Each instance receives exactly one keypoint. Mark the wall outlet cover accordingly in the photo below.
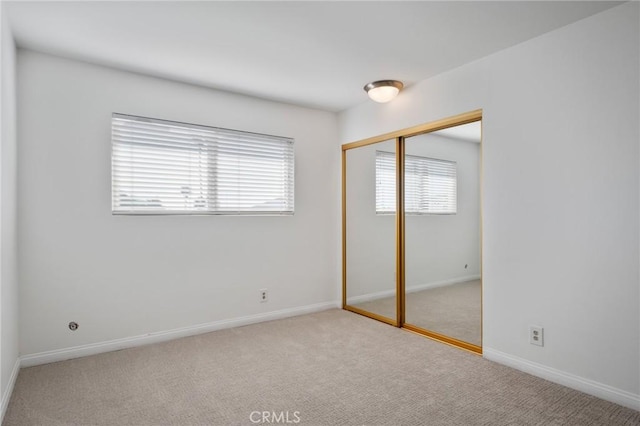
(536, 335)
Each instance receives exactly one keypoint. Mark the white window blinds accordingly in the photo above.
(385, 182)
(430, 185)
(166, 167)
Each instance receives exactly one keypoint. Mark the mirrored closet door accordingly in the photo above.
(442, 234)
(370, 225)
(412, 229)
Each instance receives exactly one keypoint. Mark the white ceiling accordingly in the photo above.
(317, 54)
(471, 132)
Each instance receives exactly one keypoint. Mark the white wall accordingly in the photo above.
(560, 193)
(121, 276)
(8, 247)
(437, 247)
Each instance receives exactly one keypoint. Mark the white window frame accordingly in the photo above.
(430, 185)
(162, 167)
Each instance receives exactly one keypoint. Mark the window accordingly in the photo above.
(429, 184)
(166, 167)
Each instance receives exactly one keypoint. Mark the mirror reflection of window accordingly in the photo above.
(430, 184)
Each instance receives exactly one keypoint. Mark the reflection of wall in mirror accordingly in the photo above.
(437, 246)
(371, 238)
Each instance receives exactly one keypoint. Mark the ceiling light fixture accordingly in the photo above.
(383, 90)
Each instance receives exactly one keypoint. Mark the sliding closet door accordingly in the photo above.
(370, 228)
(443, 288)
(411, 226)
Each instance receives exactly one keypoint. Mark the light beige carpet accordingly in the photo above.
(333, 367)
(454, 310)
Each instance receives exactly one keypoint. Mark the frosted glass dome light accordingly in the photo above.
(383, 90)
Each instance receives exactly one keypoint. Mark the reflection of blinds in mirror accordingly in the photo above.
(430, 184)
(385, 182)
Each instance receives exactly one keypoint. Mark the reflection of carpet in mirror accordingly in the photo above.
(453, 310)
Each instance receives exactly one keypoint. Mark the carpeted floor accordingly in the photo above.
(328, 368)
(454, 310)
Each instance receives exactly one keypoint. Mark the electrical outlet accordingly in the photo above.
(536, 335)
(264, 295)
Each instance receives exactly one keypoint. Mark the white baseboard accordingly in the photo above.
(442, 283)
(371, 296)
(6, 396)
(163, 336)
(410, 289)
(606, 392)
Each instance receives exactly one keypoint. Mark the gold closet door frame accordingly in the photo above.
(400, 136)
